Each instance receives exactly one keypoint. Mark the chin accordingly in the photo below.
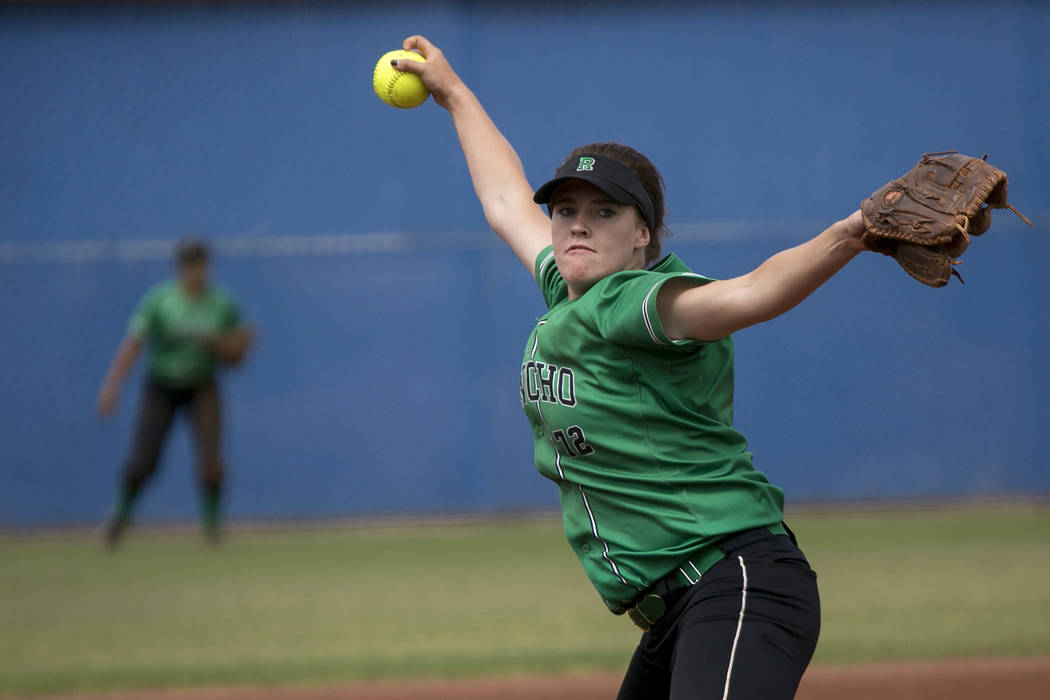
(575, 271)
(583, 282)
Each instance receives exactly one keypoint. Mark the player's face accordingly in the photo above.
(594, 236)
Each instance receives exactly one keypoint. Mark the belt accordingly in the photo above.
(653, 604)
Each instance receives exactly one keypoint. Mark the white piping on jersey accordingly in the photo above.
(561, 474)
(546, 428)
(605, 545)
(739, 624)
(645, 314)
(546, 260)
(645, 304)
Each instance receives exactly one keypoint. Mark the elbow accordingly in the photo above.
(497, 208)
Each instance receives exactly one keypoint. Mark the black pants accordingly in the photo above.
(157, 409)
(746, 630)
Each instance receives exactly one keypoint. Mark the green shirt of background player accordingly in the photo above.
(191, 328)
(627, 382)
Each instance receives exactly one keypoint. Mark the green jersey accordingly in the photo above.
(636, 430)
(173, 323)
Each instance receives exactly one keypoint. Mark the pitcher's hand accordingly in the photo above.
(436, 73)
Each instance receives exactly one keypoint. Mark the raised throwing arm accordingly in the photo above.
(495, 169)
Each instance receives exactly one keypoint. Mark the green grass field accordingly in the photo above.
(481, 597)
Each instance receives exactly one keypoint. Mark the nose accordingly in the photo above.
(579, 227)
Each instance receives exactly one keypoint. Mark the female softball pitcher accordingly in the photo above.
(627, 383)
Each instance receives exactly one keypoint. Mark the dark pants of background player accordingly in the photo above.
(746, 630)
(157, 410)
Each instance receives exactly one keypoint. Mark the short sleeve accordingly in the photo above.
(143, 318)
(626, 311)
(549, 279)
(230, 315)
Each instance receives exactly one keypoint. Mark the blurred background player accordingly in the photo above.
(191, 328)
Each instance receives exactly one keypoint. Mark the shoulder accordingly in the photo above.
(224, 306)
(220, 294)
(624, 305)
(220, 298)
(649, 280)
(671, 263)
(150, 307)
(162, 288)
(549, 279)
(158, 291)
(545, 261)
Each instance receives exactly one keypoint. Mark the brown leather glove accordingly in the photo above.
(924, 219)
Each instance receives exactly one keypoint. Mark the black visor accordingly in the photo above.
(610, 176)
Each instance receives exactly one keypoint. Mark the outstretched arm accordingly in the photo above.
(499, 179)
(718, 309)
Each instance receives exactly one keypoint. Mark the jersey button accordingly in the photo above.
(586, 548)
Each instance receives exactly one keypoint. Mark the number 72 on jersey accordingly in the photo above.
(572, 442)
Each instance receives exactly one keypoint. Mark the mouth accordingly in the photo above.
(579, 248)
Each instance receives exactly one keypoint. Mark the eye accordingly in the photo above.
(606, 213)
(565, 211)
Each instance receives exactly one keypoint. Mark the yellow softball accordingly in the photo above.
(398, 88)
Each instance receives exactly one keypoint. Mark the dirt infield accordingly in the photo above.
(969, 679)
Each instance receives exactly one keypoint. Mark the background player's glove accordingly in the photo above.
(924, 219)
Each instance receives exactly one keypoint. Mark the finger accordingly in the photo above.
(409, 66)
(419, 43)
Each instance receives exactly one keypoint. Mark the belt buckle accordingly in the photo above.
(647, 611)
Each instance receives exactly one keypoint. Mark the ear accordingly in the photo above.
(642, 237)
